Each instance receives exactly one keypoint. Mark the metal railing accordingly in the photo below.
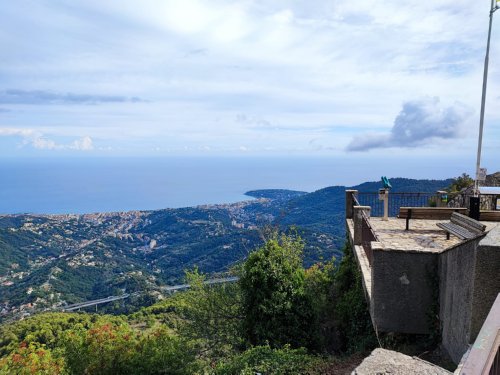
(484, 355)
(397, 200)
(368, 235)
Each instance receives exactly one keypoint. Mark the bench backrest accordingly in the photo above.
(489, 215)
(436, 213)
(467, 222)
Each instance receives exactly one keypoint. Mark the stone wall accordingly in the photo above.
(469, 284)
(404, 289)
(456, 288)
(486, 279)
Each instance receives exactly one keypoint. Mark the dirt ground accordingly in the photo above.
(341, 366)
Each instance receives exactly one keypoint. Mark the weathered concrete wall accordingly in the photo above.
(456, 286)
(404, 287)
(469, 283)
(486, 279)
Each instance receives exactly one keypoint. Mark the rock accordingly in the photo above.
(382, 362)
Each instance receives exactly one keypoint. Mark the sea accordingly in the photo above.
(87, 185)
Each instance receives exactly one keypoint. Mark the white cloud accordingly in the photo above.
(83, 144)
(420, 122)
(42, 143)
(39, 141)
(20, 132)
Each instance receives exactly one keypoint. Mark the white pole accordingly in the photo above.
(386, 205)
(483, 100)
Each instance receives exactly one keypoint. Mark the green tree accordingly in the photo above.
(212, 315)
(352, 318)
(277, 310)
(161, 352)
(319, 280)
(111, 349)
(461, 182)
(32, 359)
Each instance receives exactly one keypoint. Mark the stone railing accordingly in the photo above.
(363, 231)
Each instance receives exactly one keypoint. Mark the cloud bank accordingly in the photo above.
(13, 96)
(276, 77)
(420, 122)
(39, 141)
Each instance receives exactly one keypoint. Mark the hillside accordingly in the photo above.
(48, 261)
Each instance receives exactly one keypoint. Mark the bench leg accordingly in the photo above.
(408, 217)
(447, 235)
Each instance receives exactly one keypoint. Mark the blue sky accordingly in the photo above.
(187, 77)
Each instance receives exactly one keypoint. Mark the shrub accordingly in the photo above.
(276, 308)
(265, 360)
(31, 359)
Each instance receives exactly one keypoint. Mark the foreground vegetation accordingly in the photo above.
(278, 319)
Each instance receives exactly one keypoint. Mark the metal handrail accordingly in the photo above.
(484, 355)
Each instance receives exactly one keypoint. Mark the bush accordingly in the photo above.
(276, 308)
(212, 316)
(118, 349)
(351, 310)
(31, 359)
(265, 360)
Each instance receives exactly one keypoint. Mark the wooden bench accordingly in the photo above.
(489, 216)
(462, 226)
(430, 213)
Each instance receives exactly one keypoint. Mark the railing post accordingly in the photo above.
(358, 212)
(349, 203)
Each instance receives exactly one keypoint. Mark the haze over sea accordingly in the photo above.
(85, 185)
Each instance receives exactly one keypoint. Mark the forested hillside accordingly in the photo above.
(49, 261)
(279, 318)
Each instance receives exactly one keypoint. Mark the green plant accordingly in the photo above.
(265, 360)
(212, 315)
(277, 310)
(459, 183)
(32, 359)
(351, 310)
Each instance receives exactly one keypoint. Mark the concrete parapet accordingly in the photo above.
(469, 284)
(404, 286)
(349, 203)
(486, 279)
(440, 195)
(358, 212)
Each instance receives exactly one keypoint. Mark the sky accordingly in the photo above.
(319, 78)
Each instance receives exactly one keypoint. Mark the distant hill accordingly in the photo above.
(275, 194)
(50, 260)
(406, 185)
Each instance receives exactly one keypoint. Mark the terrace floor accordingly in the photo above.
(423, 235)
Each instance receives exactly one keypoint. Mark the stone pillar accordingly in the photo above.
(349, 203)
(358, 222)
(440, 194)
